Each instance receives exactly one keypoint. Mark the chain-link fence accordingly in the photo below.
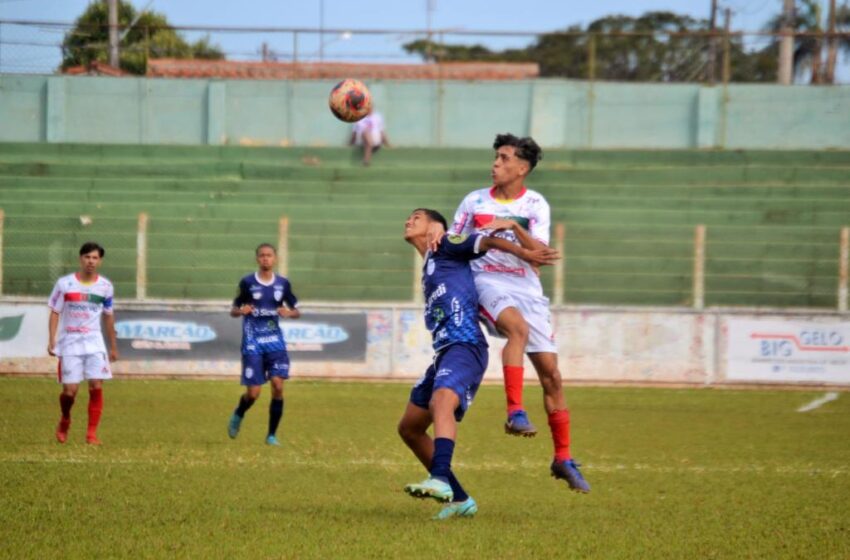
(634, 56)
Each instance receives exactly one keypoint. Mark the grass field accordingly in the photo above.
(675, 473)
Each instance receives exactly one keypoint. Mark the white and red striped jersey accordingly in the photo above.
(80, 306)
(529, 209)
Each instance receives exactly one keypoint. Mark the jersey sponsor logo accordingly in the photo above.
(443, 372)
(481, 220)
(91, 298)
(267, 339)
(457, 312)
(256, 295)
(438, 292)
(165, 331)
(500, 268)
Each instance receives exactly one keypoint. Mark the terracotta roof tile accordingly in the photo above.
(196, 68)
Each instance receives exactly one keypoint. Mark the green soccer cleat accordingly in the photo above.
(233, 426)
(271, 439)
(431, 488)
(467, 508)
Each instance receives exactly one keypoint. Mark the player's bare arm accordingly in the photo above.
(109, 328)
(287, 313)
(543, 256)
(52, 327)
(241, 310)
(525, 239)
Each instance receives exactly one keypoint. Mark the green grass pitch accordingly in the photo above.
(676, 473)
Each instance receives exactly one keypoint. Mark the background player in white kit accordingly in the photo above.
(510, 294)
(77, 304)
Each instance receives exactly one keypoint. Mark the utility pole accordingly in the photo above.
(321, 30)
(712, 45)
(113, 32)
(832, 46)
(786, 44)
(727, 46)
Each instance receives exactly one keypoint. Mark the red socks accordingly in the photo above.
(65, 403)
(559, 424)
(513, 387)
(95, 410)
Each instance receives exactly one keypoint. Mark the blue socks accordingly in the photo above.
(275, 414)
(244, 405)
(460, 494)
(441, 462)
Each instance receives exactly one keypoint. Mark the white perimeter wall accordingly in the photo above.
(637, 345)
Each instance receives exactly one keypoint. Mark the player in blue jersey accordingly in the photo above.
(449, 385)
(263, 299)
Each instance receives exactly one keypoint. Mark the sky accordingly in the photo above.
(25, 49)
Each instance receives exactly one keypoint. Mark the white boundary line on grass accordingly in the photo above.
(392, 465)
(817, 403)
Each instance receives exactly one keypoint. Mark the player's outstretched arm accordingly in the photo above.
(537, 257)
(525, 239)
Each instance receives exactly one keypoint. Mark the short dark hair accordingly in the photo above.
(262, 245)
(526, 147)
(434, 216)
(90, 246)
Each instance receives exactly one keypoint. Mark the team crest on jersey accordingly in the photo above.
(278, 294)
(249, 373)
(457, 238)
(429, 268)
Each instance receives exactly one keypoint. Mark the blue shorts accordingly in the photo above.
(459, 367)
(258, 368)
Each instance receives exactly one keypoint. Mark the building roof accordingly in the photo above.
(232, 69)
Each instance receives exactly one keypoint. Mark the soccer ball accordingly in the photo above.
(350, 100)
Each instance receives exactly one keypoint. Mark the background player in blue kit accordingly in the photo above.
(446, 390)
(264, 297)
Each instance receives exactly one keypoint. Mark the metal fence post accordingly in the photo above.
(142, 257)
(2, 222)
(283, 246)
(418, 262)
(559, 266)
(843, 266)
(699, 267)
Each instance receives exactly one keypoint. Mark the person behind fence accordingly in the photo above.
(263, 298)
(78, 304)
(370, 135)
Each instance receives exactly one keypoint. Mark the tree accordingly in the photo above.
(808, 49)
(657, 46)
(150, 37)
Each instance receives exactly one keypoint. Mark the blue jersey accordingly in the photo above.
(451, 301)
(261, 332)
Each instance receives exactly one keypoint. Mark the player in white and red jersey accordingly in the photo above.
(510, 294)
(78, 303)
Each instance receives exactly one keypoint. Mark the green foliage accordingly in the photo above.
(676, 473)
(150, 37)
(655, 46)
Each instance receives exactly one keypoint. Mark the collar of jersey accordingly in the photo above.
(92, 283)
(257, 278)
(506, 200)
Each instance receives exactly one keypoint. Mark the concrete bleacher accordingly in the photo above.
(773, 218)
